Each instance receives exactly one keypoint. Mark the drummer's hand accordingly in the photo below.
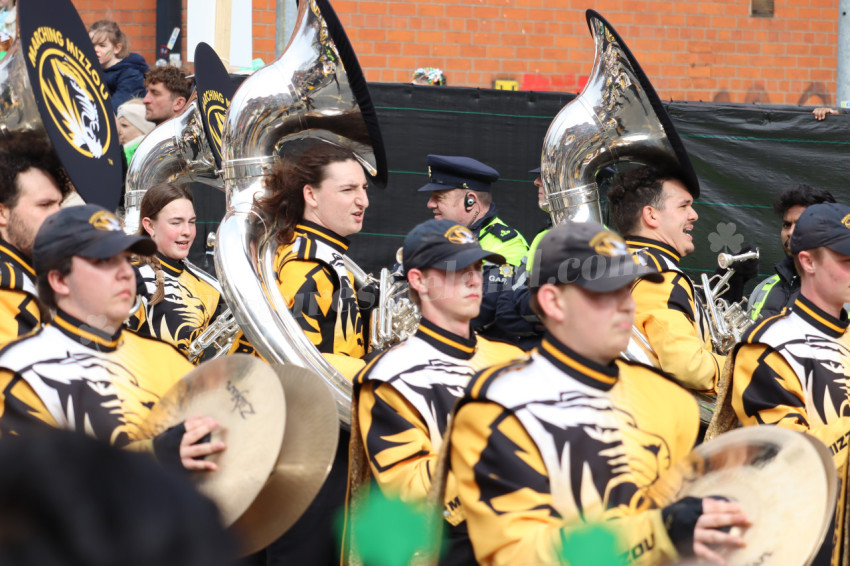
(191, 451)
(820, 113)
(708, 538)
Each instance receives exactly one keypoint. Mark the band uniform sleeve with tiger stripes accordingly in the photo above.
(20, 310)
(403, 400)
(672, 320)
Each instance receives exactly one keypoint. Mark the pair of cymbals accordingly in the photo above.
(280, 428)
(785, 482)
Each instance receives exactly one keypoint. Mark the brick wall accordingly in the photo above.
(705, 50)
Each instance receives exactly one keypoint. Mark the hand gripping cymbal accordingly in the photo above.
(784, 480)
(246, 398)
(279, 450)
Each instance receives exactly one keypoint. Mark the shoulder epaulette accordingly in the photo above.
(756, 331)
(12, 277)
(363, 373)
(479, 384)
(502, 231)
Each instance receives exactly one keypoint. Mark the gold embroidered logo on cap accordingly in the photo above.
(846, 221)
(458, 234)
(105, 220)
(608, 244)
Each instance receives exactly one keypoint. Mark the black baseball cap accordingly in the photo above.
(823, 225)
(535, 170)
(86, 231)
(445, 245)
(458, 172)
(589, 255)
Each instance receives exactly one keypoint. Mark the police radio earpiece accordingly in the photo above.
(469, 202)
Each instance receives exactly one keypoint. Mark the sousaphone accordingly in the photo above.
(616, 118)
(314, 93)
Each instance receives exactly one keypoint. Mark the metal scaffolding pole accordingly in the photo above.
(843, 90)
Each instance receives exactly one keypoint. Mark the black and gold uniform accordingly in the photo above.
(402, 401)
(672, 320)
(544, 443)
(791, 370)
(317, 287)
(188, 305)
(19, 306)
(69, 375)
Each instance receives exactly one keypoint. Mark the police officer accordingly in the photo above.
(408, 391)
(460, 191)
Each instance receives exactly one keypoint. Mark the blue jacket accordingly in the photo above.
(126, 79)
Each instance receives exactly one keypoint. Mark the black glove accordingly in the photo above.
(166, 447)
(680, 519)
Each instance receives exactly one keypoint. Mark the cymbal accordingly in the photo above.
(306, 455)
(784, 480)
(245, 396)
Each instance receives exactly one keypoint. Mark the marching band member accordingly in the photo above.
(32, 185)
(791, 369)
(316, 200)
(574, 433)
(781, 290)
(653, 209)
(176, 304)
(81, 372)
(403, 397)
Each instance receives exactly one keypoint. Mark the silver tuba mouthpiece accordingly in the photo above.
(727, 260)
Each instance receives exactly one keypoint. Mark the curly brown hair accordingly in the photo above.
(284, 202)
(173, 79)
(20, 151)
(634, 190)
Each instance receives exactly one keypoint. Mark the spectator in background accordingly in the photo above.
(132, 126)
(124, 71)
(8, 19)
(428, 76)
(775, 293)
(168, 91)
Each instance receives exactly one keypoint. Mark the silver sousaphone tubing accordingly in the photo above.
(314, 93)
(616, 118)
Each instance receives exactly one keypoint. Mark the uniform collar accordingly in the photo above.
(822, 321)
(172, 266)
(484, 220)
(447, 342)
(653, 247)
(576, 366)
(85, 334)
(14, 255)
(315, 232)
